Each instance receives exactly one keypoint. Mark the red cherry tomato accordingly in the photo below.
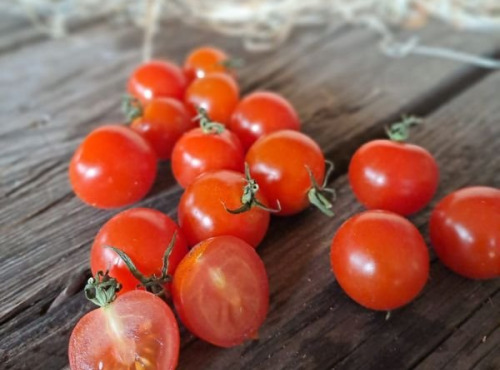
(203, 209)
(221, 291)
(394, 176)
(261, 113)
(113, 167)
(217, 93)
(203, 61)
(144, 235)
(380, 260)
(157, 79)
(279, 163)
(465, 232)
(198, 152)
(136, 331)
(162, 122)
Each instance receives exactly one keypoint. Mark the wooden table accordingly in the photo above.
(53, 92)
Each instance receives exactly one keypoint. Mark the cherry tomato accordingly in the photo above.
(203, 209)
(203, 61)
(113, 167)
(162, 122)
(465, 232)
(261, 113)
(380, 260)
(136, 331)
(394, 176)
(217, 93)
(143, 234)
(221, 291)
(157, 79)
(198, 152)
(279, 162)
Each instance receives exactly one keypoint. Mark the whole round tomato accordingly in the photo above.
(199, 151)
(465, 232)
(136, 331)
(203, 61)
(288, 166)
(216, 93)
(157, 79)
(380, 260)
(221, 291)
(203, 209)
(261, 113)
(114, 166)
(162, 122)
(144, 235)
(394, 176)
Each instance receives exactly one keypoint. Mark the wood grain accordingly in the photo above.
(345, 91)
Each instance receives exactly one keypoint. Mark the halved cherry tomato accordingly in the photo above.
(380, 260)
(208, 148)
(261, 113)
(136, 331)
(280, 163)
(217, 93)
(203, 61)
(221, 291)
(203, 209)
(114, 166)
(465, 232)
(144, 235)
(157, 79)
(162, 122)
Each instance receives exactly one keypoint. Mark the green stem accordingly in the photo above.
(208, 126)
(318, 194)
(400, 131)
(231, 64)
(131, 108)
(102, 289)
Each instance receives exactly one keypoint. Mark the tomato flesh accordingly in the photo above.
(380, 260)
(203, 61)
(136, 331)
(465, 232)
(144, 235)
(113, 167)
(221, 291)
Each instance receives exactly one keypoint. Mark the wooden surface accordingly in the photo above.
(53, 92)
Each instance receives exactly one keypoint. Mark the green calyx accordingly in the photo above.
(400, 131)
(154, 284)
(231, 64)
(101, 289)
(249, 197)
(208, 126)
(131, 108)
(318, 195)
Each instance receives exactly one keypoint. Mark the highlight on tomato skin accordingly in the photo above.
(138, 330)
(465, 232)
(144, 235)
(221, 291)
(380, 260)
(155, 79)
(113, 167)
(204, 60)
(261, 113)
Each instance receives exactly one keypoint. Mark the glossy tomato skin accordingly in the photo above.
(221, 291)
(203, 61)
(465, 232)
(380, 260)
(397, 177)
(197, 152)
(155, 79)
(261, 113)
(202, 214)
(136, 329)
(113, 167)
(217, 93)
(162, 123)
(144, 235)
(278, 163)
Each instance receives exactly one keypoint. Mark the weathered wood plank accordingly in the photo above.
(344, 91)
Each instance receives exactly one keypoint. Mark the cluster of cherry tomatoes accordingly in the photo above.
(239, 160)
